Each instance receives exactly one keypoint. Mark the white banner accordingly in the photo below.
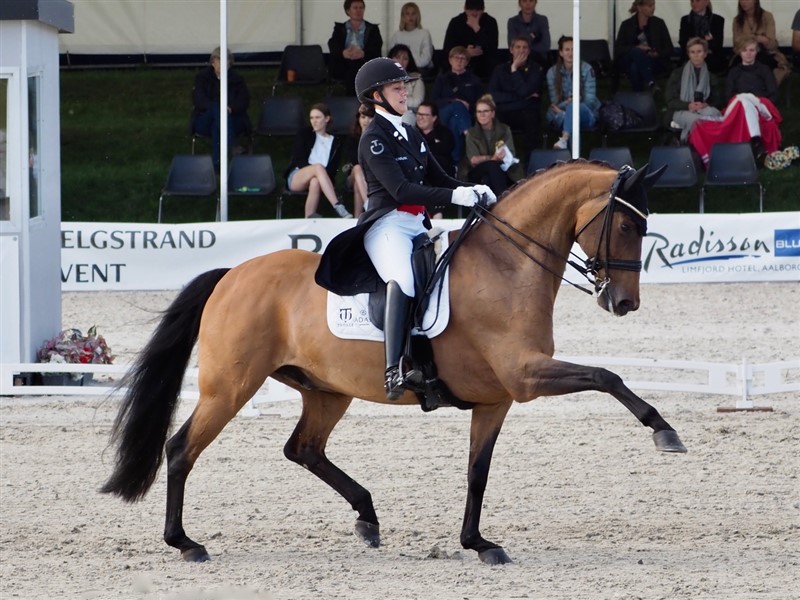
(144, 256)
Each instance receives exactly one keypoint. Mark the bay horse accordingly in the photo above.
(266, 318)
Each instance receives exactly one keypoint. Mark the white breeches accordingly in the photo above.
(752, 108)
(389, 244)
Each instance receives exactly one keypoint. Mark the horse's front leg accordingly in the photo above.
(321, 412)
(549, 377)
(487, 420)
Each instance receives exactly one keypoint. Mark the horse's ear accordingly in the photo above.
(652, 178)
(632, 181)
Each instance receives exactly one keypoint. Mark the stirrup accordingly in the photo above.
(399, 381)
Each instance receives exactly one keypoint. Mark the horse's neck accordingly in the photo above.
(552, 212)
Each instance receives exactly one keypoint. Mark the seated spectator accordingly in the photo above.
(353, 43)
(416, 37)
(749, 76)
(315, 159)
(693, 92)
(437, 136)
(355, 173)
(703, 23)
(796, 34)
(416, 88)
(533, 26)
(559, 86)
(455, 93)
(753, 21)
(750, 115)
(490, 157)
(477, 32)
(516, 89)
(643, 45)
(205, 99)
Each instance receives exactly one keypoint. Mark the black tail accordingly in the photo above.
(154, 383)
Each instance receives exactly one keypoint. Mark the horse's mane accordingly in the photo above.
(555, 169)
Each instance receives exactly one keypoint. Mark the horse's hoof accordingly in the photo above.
(495, 556)
(368, 533)
(197, 555)
(667, 440)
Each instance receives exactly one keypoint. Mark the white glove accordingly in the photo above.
(465, 196)
(481, 189)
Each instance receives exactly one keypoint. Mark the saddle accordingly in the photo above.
(433, 393)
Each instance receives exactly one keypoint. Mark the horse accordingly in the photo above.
(266, 318)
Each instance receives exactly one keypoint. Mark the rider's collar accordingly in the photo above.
(395, 120)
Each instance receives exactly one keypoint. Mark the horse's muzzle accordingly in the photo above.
(617, 304)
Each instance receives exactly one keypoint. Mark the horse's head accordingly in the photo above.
(612, 239)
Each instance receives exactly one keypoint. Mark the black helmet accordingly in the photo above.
(376, 73)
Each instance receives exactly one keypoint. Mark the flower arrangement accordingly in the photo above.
(71, 346)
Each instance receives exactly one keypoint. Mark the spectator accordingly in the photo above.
(355, 174)
(455, 93)
(437, 136)
(416, 87)
(702, 22)
(476, 31)
(205, 99)
(353, 43)
(750, 76)
(490, 157)
(417, 38)
(752, 20)
(533, 26)
(693, 92)
(516, 89)
(796, 34)
(315, 159)
(559, 85)
(643, 45)
(750, 115)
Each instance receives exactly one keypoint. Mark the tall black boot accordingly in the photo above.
(395, 330)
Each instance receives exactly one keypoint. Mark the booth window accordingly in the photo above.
(34, 146)
(5, 203)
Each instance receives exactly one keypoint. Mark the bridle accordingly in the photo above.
(591, 267)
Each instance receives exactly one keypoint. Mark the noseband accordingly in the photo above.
(591, 266)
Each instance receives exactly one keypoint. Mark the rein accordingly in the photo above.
(592, 265)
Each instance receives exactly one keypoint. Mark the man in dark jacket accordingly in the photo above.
(516, 88)
(440, 140)
(352, 44)
(205, 98)
(476, 31)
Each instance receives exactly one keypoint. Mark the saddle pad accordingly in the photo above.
(348, 316)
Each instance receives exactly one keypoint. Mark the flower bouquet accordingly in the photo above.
(71, 346)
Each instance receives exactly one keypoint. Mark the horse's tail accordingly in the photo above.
(154, 384)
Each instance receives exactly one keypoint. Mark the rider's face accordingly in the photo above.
(396, 95)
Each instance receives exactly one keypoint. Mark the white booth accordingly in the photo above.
(30, 176)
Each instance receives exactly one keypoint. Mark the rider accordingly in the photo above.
(403, 180)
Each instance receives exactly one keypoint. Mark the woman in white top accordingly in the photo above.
(416, 88)
(315, 159)
(413, 35)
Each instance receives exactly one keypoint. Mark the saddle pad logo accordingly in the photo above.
(376, 147)
(787, 242)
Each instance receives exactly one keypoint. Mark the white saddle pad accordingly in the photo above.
(348, 316)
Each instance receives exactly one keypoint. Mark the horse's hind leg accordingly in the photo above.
(306, 446)
(209, 418)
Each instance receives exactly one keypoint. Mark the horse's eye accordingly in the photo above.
(625, 227)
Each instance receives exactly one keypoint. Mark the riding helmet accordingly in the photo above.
(375, 74)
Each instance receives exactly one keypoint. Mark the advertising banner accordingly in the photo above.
(145, 256)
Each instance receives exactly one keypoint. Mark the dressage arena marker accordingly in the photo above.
(743, 380)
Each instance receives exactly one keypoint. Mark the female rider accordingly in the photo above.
(403, 180)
